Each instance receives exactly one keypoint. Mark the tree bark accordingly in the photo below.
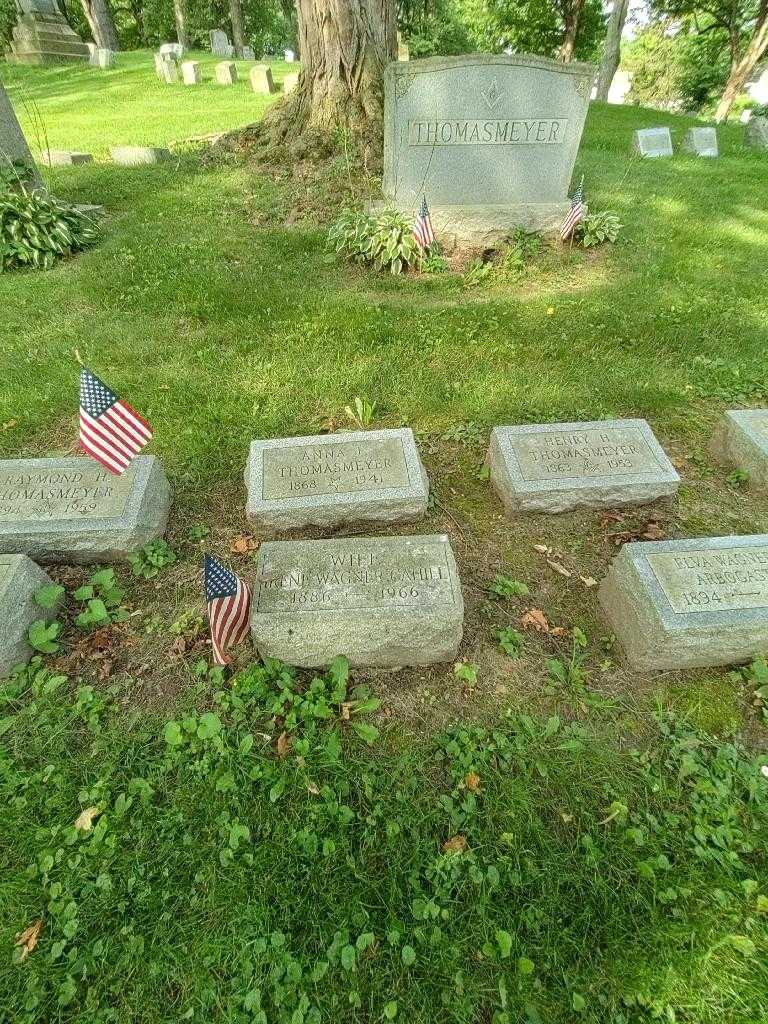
(101, 23)
(180, 15)
(238, 31)
(612, 53)
(742, 67)
(572, 16)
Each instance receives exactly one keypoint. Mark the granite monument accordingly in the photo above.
(42, 35)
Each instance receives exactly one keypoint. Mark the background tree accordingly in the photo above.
(535, 26)
(571, 12)
(101, 23)
(180, 17)
(612, 51)
(238, 28)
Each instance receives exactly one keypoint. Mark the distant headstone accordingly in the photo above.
(105, 59)
(71, 510)
(290, 82)
(652, 142)
(136, 156)
(756, 132)
(261, 79)
(290, 56)
(689, 603)
(494, 136)
(64, 158)
(620, 87)
(741, 442)
(384, 601)
(14, 151)
(174, 50)
(701, 141)
(20, 579)
(92, 52)
(332, 479)
(226, 73)
(248, 53)
(169, 72)
(42, 35)
(190, 72)
(556, 467)
(219, 43)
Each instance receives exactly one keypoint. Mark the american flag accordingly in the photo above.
(422, 229)
(575, 214)
(229, 608)
(110, 430)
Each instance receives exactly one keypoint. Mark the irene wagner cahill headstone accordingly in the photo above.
(556, 467)
(491, 140)
(689, 603)
(71, 510)
(20, 579)
(741, 442)
(385, 601)
(332, 479)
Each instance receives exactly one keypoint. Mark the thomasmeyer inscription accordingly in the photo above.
(520, 131)
(700, 581)
(85, 492)
(585, 453)
(338, 468)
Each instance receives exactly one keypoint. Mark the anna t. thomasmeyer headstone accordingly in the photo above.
(71, 510)
(14, 151)
(490, 139)
(383, 601)
(333, 479)
(20, 579)
(689, 603)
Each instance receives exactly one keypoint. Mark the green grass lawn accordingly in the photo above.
(611, 827)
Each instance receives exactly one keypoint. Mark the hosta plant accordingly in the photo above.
(37, 230)
(384, 240)
(597, 228)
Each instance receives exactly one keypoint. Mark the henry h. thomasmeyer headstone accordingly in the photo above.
(490, 139)
(14, 151)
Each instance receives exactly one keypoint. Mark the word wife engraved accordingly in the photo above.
(689, 603)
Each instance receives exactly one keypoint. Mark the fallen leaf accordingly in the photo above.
(312, 788)
(535, 618)
(84, 820)
(567, 818)
(472, 782)
(243, 544)
(654, 531)
(10, 424)
(588, 581)
(558, 567)
(559, 631)
(458, 844)
(28, 938)
(284, 742)
(179, 645)
(542, 549)
(345, 710)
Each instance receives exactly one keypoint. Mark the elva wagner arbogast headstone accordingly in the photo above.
(490, 139)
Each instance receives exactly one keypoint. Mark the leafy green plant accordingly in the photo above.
(49, 596)
(738, 479)
(756, 676)
(598, 228)
(477, 273)
(37, 230)
(154, 556)
(510, 641)
(760, 111)
(385, 240)
(43, 636)
(15, 173)
(361, 412)
(570, 674)
(505, 586)
(434, 263)
(102, 599)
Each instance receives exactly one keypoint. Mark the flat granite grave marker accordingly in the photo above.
(556, 467)
(652, 142)
(332, 479)
(64, 158)
(190, 72)
(741, 441)
(490, 138)
(71, 510)
(137, 156)
(226, 73)
(261, 79)
(689, 603)
(701, 142)
(20, 579)
(384, 601)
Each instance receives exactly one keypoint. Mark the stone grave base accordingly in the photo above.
(46, 39)
(484, 226)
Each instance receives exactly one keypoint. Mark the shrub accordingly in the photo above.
(597, 228)
(385, 240)
(761, 111)
(36, 230)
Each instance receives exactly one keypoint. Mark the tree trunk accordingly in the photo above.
(238, 32)
(741, 69)
(102, 24)
(180, 14)
(612, 54)
(573, 11)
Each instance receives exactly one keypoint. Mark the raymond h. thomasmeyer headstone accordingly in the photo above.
(20, 580)
(490, 139)
(14, 150)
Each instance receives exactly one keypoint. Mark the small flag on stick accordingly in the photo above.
(422, 229)
(229, 608)
(110, 430)
(575, 214)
